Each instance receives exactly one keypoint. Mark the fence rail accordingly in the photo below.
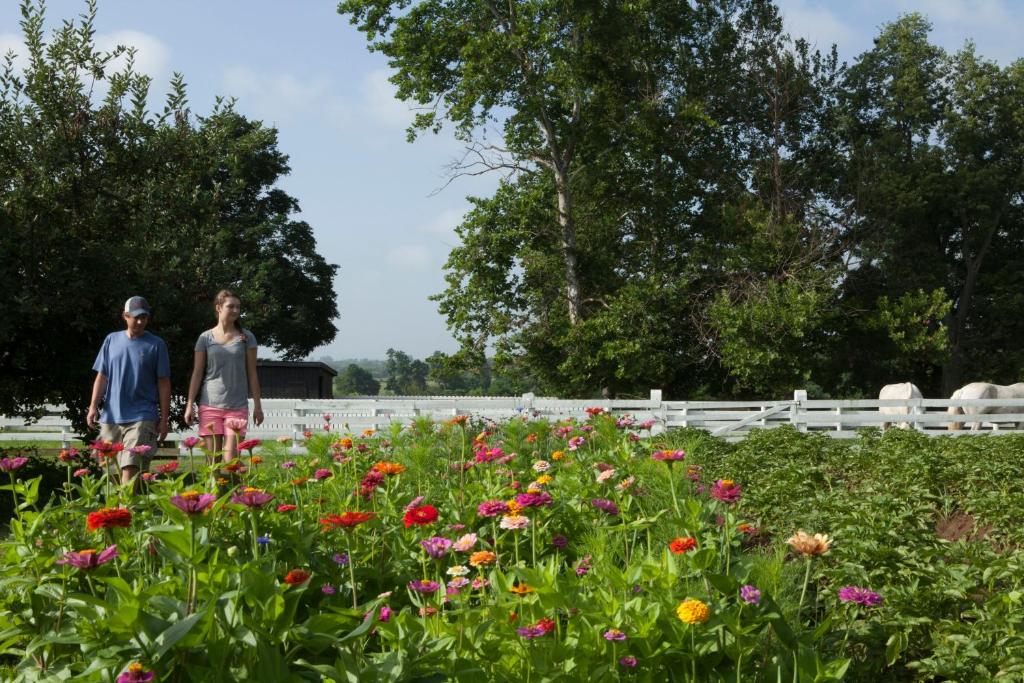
(732, 420)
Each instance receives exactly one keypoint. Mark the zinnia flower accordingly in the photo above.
(534, 499)
(168, 467)
(482, 557)
(465, 543)
(322, 473)
(340, 559)
(192, 502)
(514, 522)
(750, 595)
(541, 466)
(424, 586)
(82, 472)
(807, 545)
(693, 611)
(860, 596)
(328, 589)
(285, 507)
(605, 505)
(190, 442)
(726, 490)
(457, 570)
(248, 444)
(437, 547)
(252, 498)
(12, 464)
(614, 634)
(521, 589)
(346, 520)
(136, 674)
(108, 518)
(390, 468)
(575, 442)
(628, 662)
(296, 577)
(668, 456)
(420, 516)
(89, 559)
(681, 545)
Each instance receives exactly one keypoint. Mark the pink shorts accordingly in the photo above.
(212, 420)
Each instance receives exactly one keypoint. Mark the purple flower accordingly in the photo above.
(860, 596)
(559, 541)
(192, 503)
(614, 634)
(385, 613)
(606, 505)
(726, 491)
(340, 558)
(575, 442)
(530, 632)
(287, 465)
(11, 464)
(750, 595)
(528, 500)
(628, 661)
(328, 589)
(584, 566)
(492, 508)
(322, 473)
(415, 503)
(424, 586)
(136, 674)
(252, 498)
(89, 559)
(437, 547)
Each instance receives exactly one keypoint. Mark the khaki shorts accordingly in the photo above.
(141, 433)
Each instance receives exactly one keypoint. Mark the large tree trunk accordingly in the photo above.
(568, 226)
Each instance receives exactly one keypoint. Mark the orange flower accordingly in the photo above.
(367, 433)
(299, 481)
(387, 467)
(557, 455)
(457, 420)
(808, 545)
(234, 466)
(108, 518)
(255, 460)
(531, 438)
(514, 508)
(346, 520)
(692, 611)
(482, 557)
(345, 443)
(296, 577)
(521, 589)
(681, 545)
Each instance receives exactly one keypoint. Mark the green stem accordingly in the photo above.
(255, 535)
(352, 575)
(672, 488)
(803, 592)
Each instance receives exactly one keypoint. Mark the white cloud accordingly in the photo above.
(815, 23)
(151, 55)
(443, 225)
(378, 101)
(414, 256)
(991, 14)
(280, 97)
(12, 42)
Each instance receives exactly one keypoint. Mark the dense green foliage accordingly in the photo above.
(695, 201)
(101, 199)
(355, 380)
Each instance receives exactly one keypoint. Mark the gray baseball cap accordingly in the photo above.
(136, 306)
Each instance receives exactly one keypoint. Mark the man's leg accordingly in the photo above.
(142, 433)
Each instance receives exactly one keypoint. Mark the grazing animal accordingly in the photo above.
(897, 391)
(985, 390)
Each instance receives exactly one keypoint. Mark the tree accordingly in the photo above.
(407, 376)
(356, 381)
(103, 199)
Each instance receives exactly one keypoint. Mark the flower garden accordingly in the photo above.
(524, 551)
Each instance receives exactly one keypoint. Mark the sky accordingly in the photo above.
(379, 206)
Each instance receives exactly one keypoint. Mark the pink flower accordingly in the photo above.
(514, 522)
(424, 586)
(541, 499)
(190, 442)
(465, 544)
(860, 596)
(614, 634)
(85, 471)
(12, 464)
(252, 498)
(192, 503)
(726, 490)
(437, 547)
(322, 474)
(89, 559)
(492, 508)
(605, 505)
(136, 674)
(575, 442)
(415, 503)
(668, 456)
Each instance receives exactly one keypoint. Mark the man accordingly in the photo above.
(133, 372)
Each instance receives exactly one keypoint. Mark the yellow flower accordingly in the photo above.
(557, 455)
(693, 611)
(521, 589)
(514, 508)
(545, 479)
(808, 545)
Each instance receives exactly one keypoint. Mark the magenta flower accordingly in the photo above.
(192, 503)
(287, 465)
(584, 566)
(860, 596)
(12, 464)
(530, 632)
(726, 491)
(750, 595)
(614, 634)
(141, 449)
(668, 456)
(414, 503)
(385, 613)
(488, 455)
(136, 674)
(575, 442)
(533, 500)
(89, 559)
(628, 661)
(559, 541)
(321, 473)
(492, 508)
(606, 505)
(424, 586)
(328, 589)
(82, 472)
(437, 547)
(190, 442)
(252, 498)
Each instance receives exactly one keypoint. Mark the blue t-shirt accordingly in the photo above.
(132, 367)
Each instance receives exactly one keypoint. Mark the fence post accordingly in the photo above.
(839, 424)
(799, 396)
(659, 410)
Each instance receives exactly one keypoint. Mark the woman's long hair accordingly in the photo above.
(222, 296)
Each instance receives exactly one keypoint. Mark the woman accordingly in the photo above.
(225, 368)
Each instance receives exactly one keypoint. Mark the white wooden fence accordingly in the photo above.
(729, 419)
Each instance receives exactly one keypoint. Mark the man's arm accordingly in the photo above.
(163, 385)
(99, 388)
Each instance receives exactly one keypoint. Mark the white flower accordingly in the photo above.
(465, 544)
(625, 483)
(458, 570)
(514, 522)
(541, 466)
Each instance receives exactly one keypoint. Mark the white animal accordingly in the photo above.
(985, 390)
(897, 391)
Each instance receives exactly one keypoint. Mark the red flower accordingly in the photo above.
(167, 468)
(682, 545)
(547, 625)
(249, 444)
(285, 508)
(420, 516)
(296, 576)
(106, 518)
(346, 520)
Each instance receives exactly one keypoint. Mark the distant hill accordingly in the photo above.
(375, 366)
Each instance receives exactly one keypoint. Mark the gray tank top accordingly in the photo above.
(226, 383)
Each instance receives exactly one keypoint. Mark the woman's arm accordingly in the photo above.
(254, 385)
(198, 370)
